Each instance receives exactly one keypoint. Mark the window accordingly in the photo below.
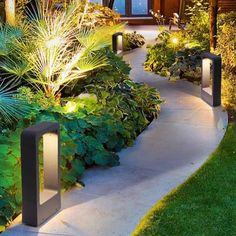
(139, 7)
(96, 1)
(119, 6)
(132, 7)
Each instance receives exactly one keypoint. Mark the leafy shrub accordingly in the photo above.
(169, 52)
(54, 52)
(10, 191)
(187, 65)
(91, 134)
(78, 150)
(226, 46)
(136, 105)
(101, 16)
(133, 40)
(95, 15)
(198, 29)
(105, 114)
(198, 26)
(160, 56)
(98, 115)
(159, 59)
(177, 54)
(196, 7)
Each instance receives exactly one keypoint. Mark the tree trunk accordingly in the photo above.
(10, 12)
(213, 23)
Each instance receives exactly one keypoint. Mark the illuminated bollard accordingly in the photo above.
(211, 79)
(117, 43)
(38, 205)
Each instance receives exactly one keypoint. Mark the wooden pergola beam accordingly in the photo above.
(213, 23)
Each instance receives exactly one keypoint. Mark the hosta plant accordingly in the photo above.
(133, 40)
(187, 65)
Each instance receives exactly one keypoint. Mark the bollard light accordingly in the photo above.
(211, 79)
(117, 42)
(38, 206)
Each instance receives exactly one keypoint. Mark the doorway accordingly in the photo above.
(168, 7)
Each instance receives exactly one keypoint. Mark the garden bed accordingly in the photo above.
(177, 55)
(68, 74)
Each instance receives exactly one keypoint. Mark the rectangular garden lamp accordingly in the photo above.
(117, 42)
(40, 202)
(211, 79)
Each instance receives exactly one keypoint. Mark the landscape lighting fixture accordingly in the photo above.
(211, 79)
(38, 205)
(117, 42)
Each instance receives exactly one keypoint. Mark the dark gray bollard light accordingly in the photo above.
(38, 205)
(211, 79)
(117, 42)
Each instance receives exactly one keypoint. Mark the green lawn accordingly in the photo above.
(205, 204)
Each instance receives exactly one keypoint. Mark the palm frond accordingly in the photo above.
(55, 49)
(8, 35)
(98, 39)
(10, 107)
(14, 68)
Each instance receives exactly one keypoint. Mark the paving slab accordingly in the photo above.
(172, 148)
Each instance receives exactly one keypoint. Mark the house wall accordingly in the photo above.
(168, 7)
(227, 5)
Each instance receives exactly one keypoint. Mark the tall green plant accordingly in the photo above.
(199, 22)
(57, 50)
(196, 8)
(226, 47)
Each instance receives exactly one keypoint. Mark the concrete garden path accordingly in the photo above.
(164, 155)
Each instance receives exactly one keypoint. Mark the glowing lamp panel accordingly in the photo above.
(50, 163)
(40, 171)
(119, 44)
(207, 75)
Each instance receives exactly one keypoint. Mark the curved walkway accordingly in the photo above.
(164, 155)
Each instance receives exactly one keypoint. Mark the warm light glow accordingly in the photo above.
(206, 73)
(50, 164)
(175, 40)
(10, 12)
(54, 42)
(120, 43)
(71, 106)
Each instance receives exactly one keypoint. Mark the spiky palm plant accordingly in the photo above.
(11, 108)
(7, 36)
(57, 50)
